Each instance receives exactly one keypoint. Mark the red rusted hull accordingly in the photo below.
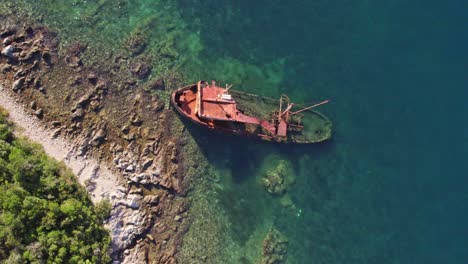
(187, 109)
(206, 107)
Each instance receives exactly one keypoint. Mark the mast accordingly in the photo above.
(310, 107)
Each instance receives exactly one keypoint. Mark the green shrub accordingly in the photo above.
(45, 215)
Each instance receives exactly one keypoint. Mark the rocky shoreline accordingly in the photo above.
(120, 140)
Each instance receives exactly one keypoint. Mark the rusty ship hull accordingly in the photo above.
(234, 112)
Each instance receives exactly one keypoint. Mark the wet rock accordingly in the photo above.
(158, 106)
(73, 62)
(73, 55)
(157, 84)
(139, 69)
(18, 84)
(136, 42)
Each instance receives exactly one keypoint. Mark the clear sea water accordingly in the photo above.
(392, 184)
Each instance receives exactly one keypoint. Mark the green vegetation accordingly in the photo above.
(45, 215)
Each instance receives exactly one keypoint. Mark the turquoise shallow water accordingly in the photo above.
(391, 186)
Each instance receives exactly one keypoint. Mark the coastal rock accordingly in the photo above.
(5, 68)
(130, 168)
(130, 137)
(39, 113)
(55, 123)
(78, 114)
(92, 78)
(18, 84)
(136, 120)
(10, 30)
(138, 254)
(169, 182)
(73, 55)
(132, 201)
(136, 42)
(28, 54)
(133, 217)
(126, 225)
(8, 51)
(147, 163)
(151, 200)
(84, 100)
(99, 137)
(56, 132)
(8, 40)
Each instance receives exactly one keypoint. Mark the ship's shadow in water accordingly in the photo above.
(244, 200)
(244, 155)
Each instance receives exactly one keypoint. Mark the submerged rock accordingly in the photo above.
(140, 70)
(278, 180)
(275, 248)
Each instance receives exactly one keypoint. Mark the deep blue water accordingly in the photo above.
(392, 185)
